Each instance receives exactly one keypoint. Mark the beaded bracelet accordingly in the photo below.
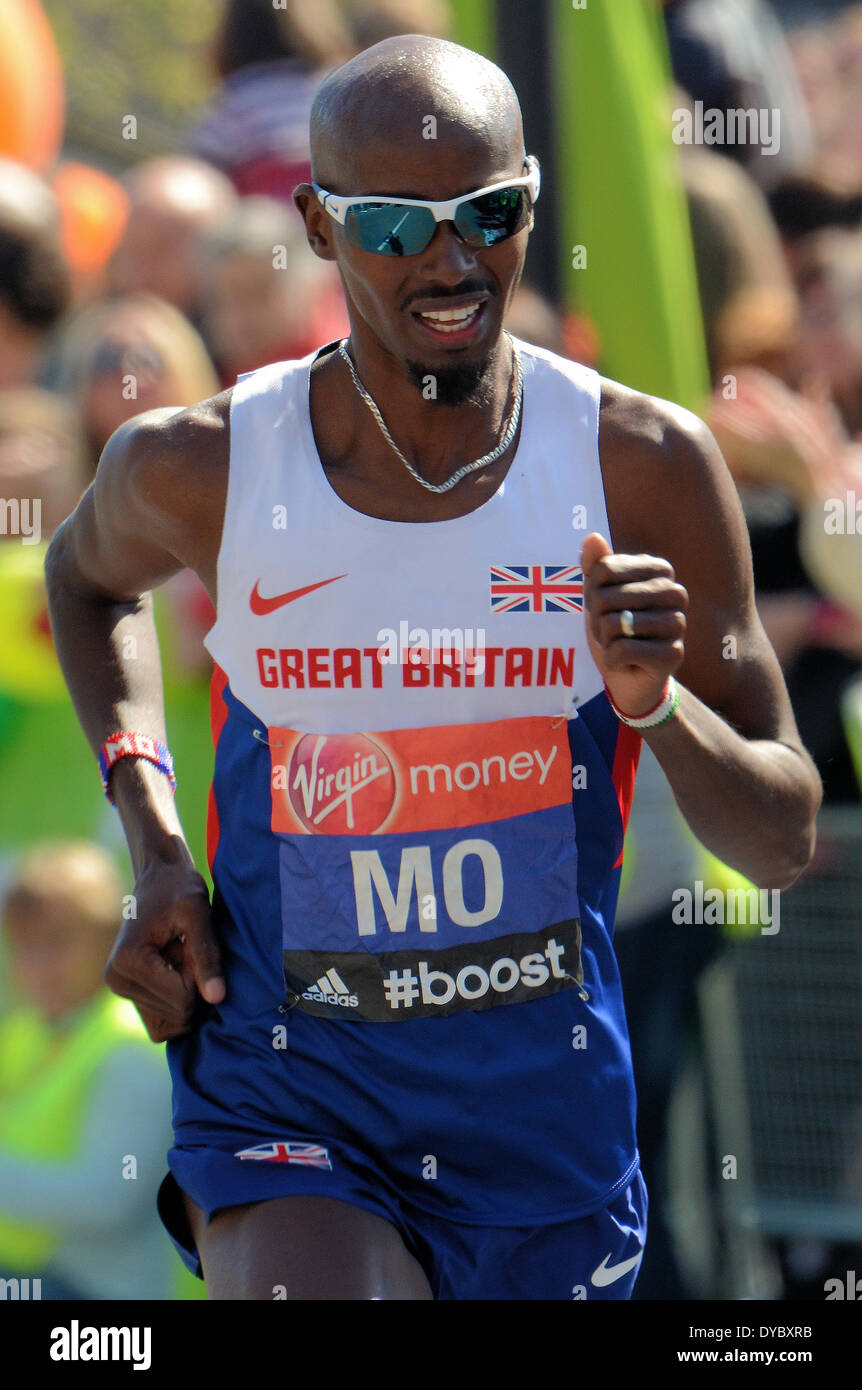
(124, 744)
(659, 714)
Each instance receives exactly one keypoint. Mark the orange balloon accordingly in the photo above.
(94, 208)
(32, 103)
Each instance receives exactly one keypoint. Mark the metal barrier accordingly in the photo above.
(782, 1025)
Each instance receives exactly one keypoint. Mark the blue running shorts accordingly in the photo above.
(590, 1257)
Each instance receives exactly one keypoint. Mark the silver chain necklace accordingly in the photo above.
(468, 467)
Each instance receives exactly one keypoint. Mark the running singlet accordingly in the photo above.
(417, 820)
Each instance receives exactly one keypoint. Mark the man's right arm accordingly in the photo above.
(155, 506)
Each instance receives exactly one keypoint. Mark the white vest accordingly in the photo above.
(491, 596)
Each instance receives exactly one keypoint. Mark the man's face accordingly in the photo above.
(389, 293)
(57, 963)
(157, 255)
(252, 308)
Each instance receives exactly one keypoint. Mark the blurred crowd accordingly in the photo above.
(158, 288)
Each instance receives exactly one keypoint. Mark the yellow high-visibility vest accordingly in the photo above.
(46, 1075)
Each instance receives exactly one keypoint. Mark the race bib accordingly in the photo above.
(426, 871)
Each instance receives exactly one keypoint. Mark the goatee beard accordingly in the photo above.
(470, 381)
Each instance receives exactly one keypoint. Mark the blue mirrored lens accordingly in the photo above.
(394, 229)
(494, 217)
(389, 229)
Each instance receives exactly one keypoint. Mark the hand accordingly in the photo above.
(167, 954)
(770, 434)
(635, 669)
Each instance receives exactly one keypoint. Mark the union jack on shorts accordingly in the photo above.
(537, 589)
(289, 1151)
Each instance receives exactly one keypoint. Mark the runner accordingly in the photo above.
(397, 1041)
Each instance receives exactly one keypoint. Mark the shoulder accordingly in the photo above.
(662, 471)
(169, 462)
(658, 431)
(159, 443)
(160, 489)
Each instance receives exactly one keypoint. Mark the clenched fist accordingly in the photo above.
(635, 668)
(166, 959)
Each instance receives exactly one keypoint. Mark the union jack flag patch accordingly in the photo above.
(289, 1151)
(537, 589)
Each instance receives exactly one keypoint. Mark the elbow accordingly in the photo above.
(805, 855)
(782, 876)
(796, 845)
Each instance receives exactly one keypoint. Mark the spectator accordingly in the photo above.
(375, 20)
(172, 202)
(750, 308)
(34, 277)
(266, 298)
(42, 454)
(130, 354)
(122, 357)
(269, 61)
(84, 1096)
(813, 51)
(828, 191)
(732, 54)
(789, 454)
(838, 159)
(829, 280)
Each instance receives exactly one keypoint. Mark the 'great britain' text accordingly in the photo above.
(356, 668)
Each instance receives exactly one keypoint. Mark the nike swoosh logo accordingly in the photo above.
(608, 1274)
(261, 606)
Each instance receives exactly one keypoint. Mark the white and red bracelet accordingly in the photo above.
(659, 714)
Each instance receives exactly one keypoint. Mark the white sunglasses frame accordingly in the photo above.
(338, 206)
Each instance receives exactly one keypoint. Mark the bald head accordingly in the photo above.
(174, 201)
(185, 188)
(381, 100)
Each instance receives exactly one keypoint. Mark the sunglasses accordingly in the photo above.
(405, 226)
(140, 358)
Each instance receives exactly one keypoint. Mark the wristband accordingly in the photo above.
(659, 714)
(131, 745)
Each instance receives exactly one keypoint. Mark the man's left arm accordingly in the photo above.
(682, 565)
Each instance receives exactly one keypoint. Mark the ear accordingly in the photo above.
(318, 224)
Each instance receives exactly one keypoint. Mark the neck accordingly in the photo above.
(436, 434)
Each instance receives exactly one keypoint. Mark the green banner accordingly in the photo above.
(474, 25)
(625, 241)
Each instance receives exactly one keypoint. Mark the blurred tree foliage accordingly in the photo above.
(141, 58)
